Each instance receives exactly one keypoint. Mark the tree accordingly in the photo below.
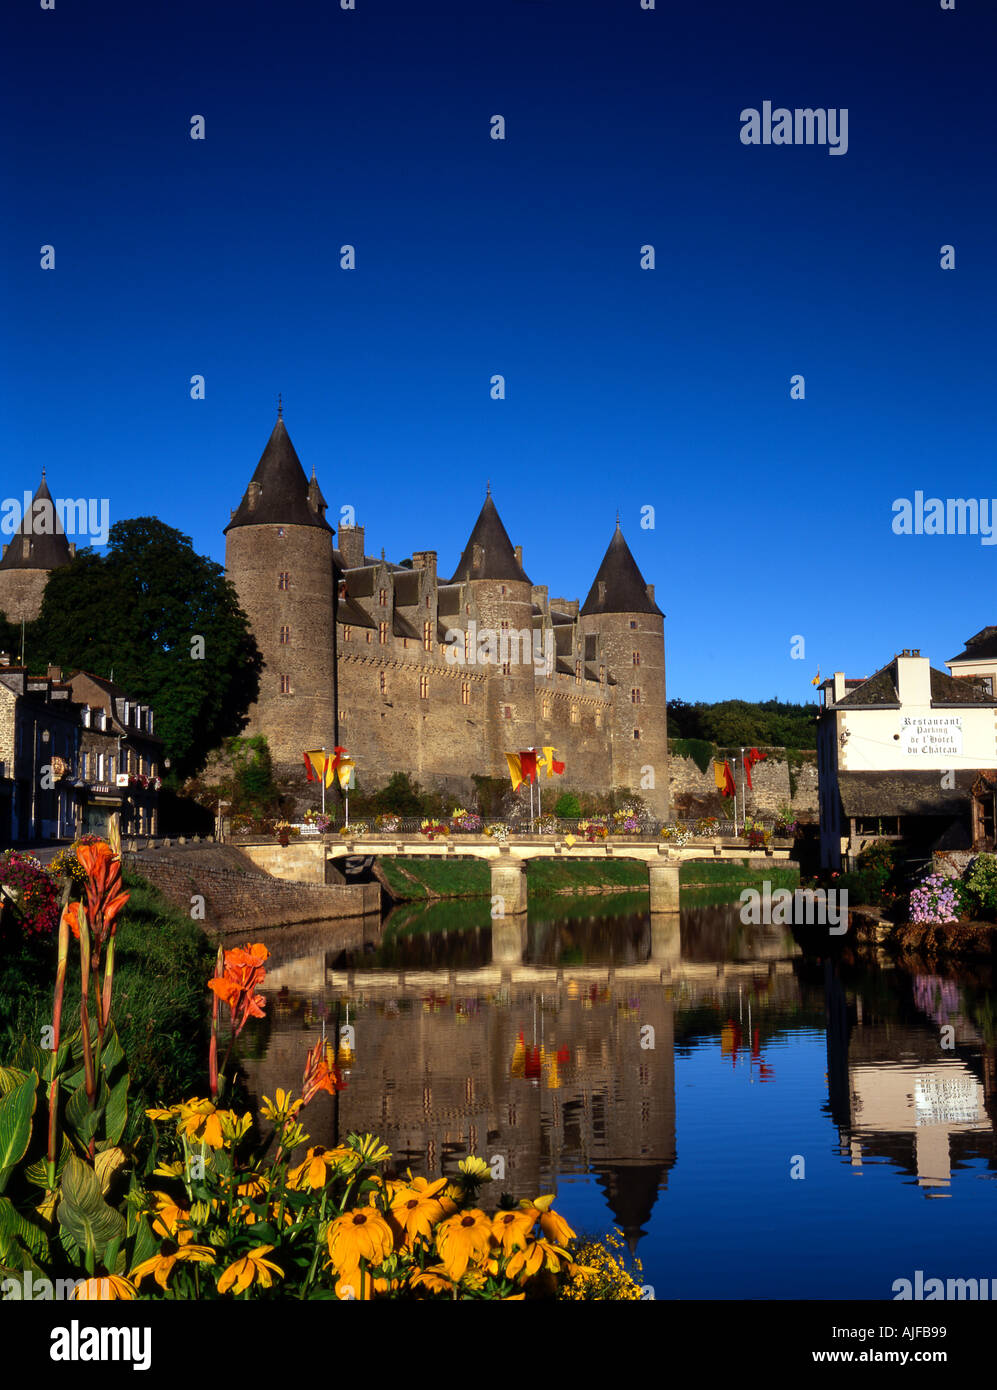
(168, 624)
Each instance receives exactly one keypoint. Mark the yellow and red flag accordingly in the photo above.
(550, 763)
(515, 770)
(528, 764)
(321, 766)
(344, 770)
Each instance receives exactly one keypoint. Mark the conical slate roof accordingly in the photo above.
(48, 548)
(623, 588)
(283, 495)
(497, 557)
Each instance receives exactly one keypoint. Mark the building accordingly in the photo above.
(72, 752)
(37, 547)
(910, 754)
(979, 661)
(435, 677)
(39, 754)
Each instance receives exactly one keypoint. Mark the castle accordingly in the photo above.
(439, 678)
(436, 677)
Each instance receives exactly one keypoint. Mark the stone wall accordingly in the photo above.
(770, 784)
(21, 593)
(237, 895)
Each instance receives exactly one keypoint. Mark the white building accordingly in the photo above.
(910, 754)
(979, 661)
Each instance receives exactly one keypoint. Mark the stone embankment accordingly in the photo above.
(237, 894)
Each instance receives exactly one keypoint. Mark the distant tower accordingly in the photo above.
(278, 554)
(620, 607)
(501, 593)
(37, 547)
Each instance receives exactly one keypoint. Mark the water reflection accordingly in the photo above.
(613, 1050)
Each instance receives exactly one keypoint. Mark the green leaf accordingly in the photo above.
(116, 1115)
(83, 1121)
(16, 1229)
(83, 1214)
(16, 1109)
(37, 1172)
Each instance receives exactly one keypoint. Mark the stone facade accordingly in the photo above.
(770, 782)
(440, 678)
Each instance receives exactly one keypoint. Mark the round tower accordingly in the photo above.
(499, 595)
(278, 554)
(36, 548)
(621, 610)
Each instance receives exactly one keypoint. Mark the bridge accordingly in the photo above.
(306, 859)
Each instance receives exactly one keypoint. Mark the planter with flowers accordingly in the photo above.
(434, 828)
(674, 835)
(354, 830)
(497, 831)
(593, 829)
(387, 824)
(466, 822)
(626, 821)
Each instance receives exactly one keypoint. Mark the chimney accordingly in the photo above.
(517, 550)
(838, 691)
(253, 495)
(913, 678)
(351, 546)
(650, 591)
(425, 560)
(54, 673)
(315, 502)
(478, 557)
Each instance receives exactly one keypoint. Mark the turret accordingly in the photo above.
(36, 548)
(621, 610)
(278, 554)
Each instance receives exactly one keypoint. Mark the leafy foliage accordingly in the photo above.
(745, 723)
(138, 611)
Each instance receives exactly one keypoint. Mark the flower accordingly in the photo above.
(319, 1076)
(512, 1228)
(200, 1119)
(236, 986)
(370, 1149)
(105, 1287)
(315, 1171)
(280, 1109)
(415, 1211)
(105, 895)
(553, 1226)
(160, 1266)
(462, 1238)
(475, 1169)
(361, 1234)
(251, 1268)
(71, 912)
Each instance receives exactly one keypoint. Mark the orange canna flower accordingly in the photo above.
(71, 912)
(236, 986)
(319, 1076)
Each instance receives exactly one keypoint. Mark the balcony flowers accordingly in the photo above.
(498, 830)
(317, 820)
(354, 829)
(433, 828)
(465, 821)
(387, 823)
(626, 821)
(593, 829)
(706, 826)
(675, 835)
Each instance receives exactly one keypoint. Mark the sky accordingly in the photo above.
(625, 388)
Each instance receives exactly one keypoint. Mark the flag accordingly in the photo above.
(318, 761)
(528, 764)
(816, 679)
(344, 770)
(751, 757)
(550, 763)
(729, 786)
(718, 777)
(308, 768)
(515, 770)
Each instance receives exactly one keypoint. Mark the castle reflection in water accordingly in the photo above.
(553, 1048)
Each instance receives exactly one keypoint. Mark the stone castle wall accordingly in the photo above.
(770, 783)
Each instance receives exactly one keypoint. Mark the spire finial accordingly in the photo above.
(488, 488)
(280, 407)
(43, 475)
(617, 518)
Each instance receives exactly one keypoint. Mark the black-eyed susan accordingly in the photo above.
(512, 1228)
(475, 1169)
(318, 1166)
(361, 1234)
(433, 1280)
(200, 1119)
(252, 1268)
(414, 1211)
(161, 1265)
(462, 1238)
(281, 1108)
(105, 1287)
(369, 1147)
(554, 1227)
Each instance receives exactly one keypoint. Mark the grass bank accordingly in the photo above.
(163, 960)
(424, 880)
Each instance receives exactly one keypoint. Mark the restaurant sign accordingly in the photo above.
(931, 735)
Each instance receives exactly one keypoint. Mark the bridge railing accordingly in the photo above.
(677, 831)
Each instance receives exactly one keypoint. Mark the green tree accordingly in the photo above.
(168, 624)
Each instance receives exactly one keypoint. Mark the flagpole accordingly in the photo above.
(323, 781)
(744, 794)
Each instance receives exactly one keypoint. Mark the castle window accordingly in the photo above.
(633, 623)
(575, 714)
(602, 673)
(347, 633)
(507, 668)
(502, 589)
(505, 624)
(285, 685)
(423, 687)
(382, 633)
(285, 636)
(635, 697)
(636, 733)
(467, 646)
(370, 637)
(546, 707)
(598, 719)
(382, 597)
(578, 672)
(384, 684)
(465, 692)
(427, 636)
(405, 643)
(284, 580)
(507, 711)
(280, 530)
(636, 658)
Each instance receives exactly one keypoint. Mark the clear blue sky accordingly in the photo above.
(624, 387)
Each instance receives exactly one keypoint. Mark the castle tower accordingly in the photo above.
(278, 554)
(620, 607)
(37, 547)
(498, 593)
